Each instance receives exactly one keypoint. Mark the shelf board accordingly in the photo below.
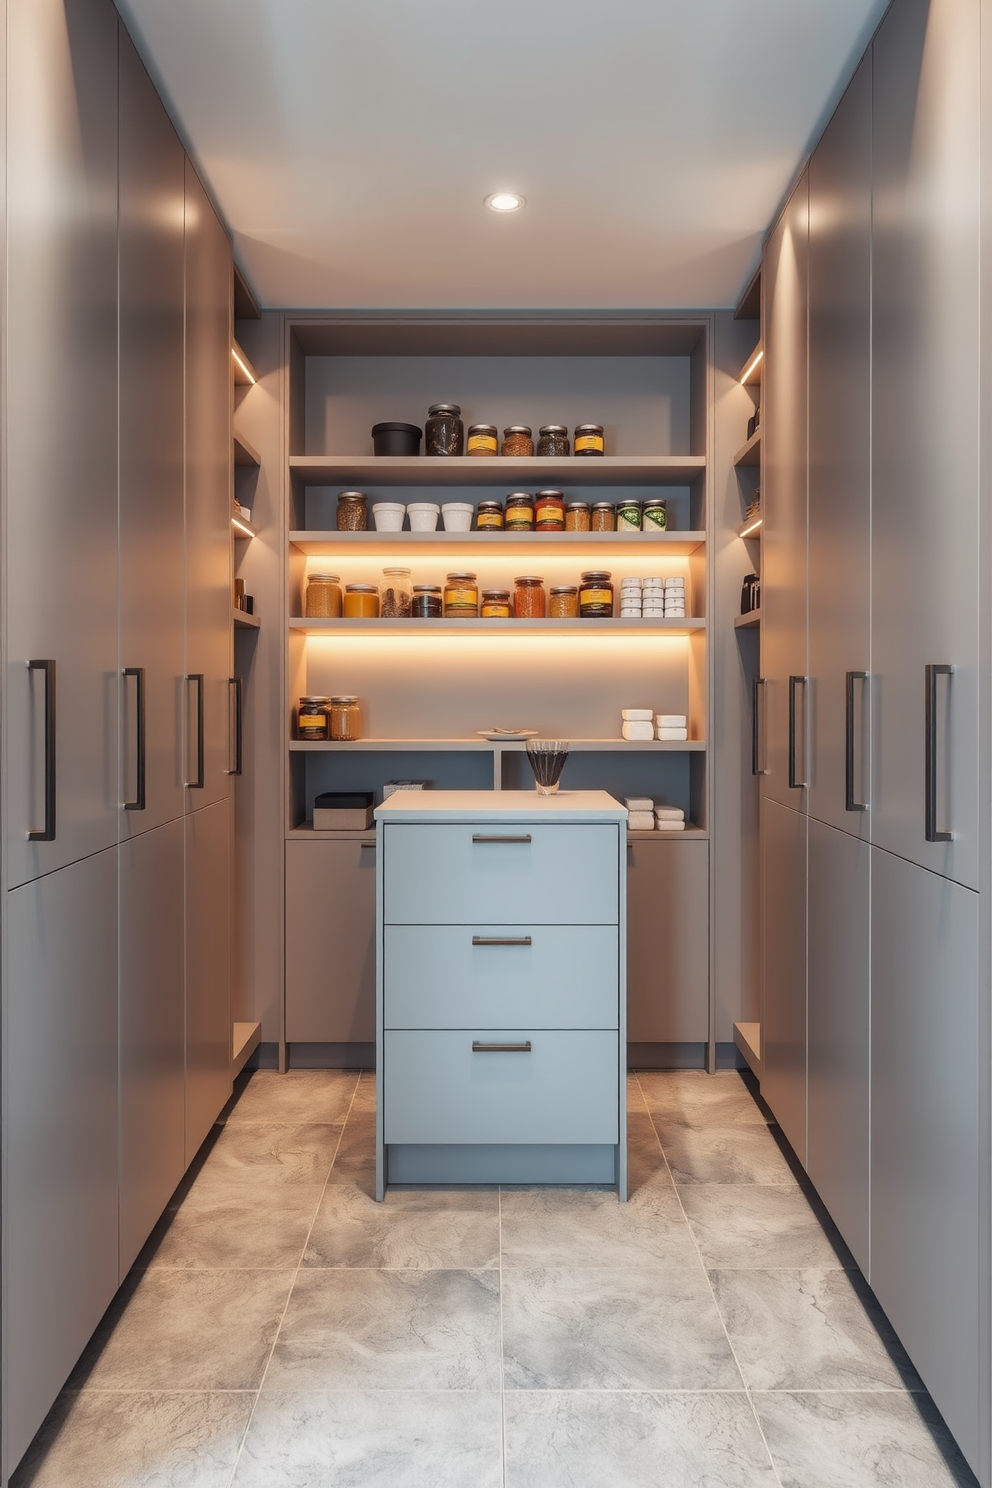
(513, 473)
(482, 746)
(750, 373)
(243, 619)
(245, 1040)
(747, 1037)
(427, 544)
(749, 454)
(245, 453)
(241, 527)
(689, 834)
(751, 527)
(474, 627)
(241, 368)
(306, 833)
(749, 621)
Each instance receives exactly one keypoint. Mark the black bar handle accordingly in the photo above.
(794, 782)
(933, 671)
(197, 784)
(502, 940)
(138, 673)
(478, 1048)
(850, 802)
(756, 768)
(479, 838)
(48, 835)
(239, 730)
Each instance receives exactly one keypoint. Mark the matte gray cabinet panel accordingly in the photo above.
(927, 1144)
(925, 389)
(208, 969)
(330, 942)
(60, 1132)
(839, 1030)
(60, 429)
(667, 942)
(783, 963)
(840, 458)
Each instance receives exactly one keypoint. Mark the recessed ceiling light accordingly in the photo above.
(505, 201)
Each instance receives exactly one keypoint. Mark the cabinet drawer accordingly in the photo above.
(439, 1090)
(566, 977)
(468, 873)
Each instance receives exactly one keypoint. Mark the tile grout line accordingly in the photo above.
(502, 1357)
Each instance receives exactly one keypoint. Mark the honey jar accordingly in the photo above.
(311, 718)
(361, 602)
(563, 602)
(483, 439)
(323, 596)
(461, 595)
(489, 516)
(596, 596)
(588, 439)
(495, 604)
(529, 599)
(345, 719)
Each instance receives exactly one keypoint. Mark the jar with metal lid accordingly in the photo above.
(596, 595)
(563, 602)
(361, 602)
(495, 604)
(323, 596)
(518, 440)
(588, 439)
(311, 718)
(353, 511)
(396, 595)
(603, 518)
(549, 511)
(427, 603)
(529, 599)
(489, 516)
(629, 516)
(345, 719)
(552, 440)
(444, 432)
(578, 516)
(483, 439)
(654, 517)
(520, 512)
(461, 596)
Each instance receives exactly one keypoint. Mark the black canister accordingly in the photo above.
(396, 439)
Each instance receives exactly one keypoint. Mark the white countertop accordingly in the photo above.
(502, 806)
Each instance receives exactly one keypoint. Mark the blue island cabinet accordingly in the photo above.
(501, 998)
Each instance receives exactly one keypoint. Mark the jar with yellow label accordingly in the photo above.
(588, 439)
(563, 602)
(361, 602)
(596, 596)
(604, 517)
(461, 596)
(311, 718)
(483, 439)
(549, 511)
(578, 516)
(489, 516)
(495, 604)
(529, 599)
(518, 440)
(520, 512)
(323, 596)
(345, 719)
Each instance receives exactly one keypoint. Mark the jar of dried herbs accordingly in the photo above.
(563, 602)
(353, 511)
(578, 516)
(604, 518)
(518, 440)
(427, 603)
(396, 594)
(444, 432)
(552, 441)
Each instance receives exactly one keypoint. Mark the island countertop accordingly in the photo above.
(500, 806)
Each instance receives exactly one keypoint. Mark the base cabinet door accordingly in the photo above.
(667, 942)
(783, 973)
(208, 969)
(837, 1144)
(330, 942)
(59, 1133)
(925, 1130)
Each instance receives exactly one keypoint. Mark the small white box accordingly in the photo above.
(673, 734)
(640, 732)
(671, 720)
(637, 715)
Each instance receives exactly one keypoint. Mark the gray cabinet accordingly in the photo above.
(667, 942)
(783, 968)
(208, 968)
(330, 942)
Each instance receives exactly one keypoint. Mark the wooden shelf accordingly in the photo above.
(751, 527)
(649, 545)
(306, 833)
(246, 1039)
(483, 746)
(474, 627)
(511, 473)
(749, 621)
(747, 1037)
(241, 368)
(245, 453)
(241, 527)
(749, 454)
(689, 834)
(750, 373)
(246, 621)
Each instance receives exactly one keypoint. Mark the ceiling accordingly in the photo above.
(350, 145)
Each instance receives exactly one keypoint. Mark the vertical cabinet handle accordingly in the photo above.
(48, 833)
(933, 671)
(794, 782)
(138, 673)
(239, 728)
(850, 801)
(756, 765)
(197, 782)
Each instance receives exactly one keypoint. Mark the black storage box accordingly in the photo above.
(396, 439)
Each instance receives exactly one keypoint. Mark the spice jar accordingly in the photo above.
(588, 439)
(520, 512)
(529, 599)
(549, 511)
(489, 516)
(495, 604)
(552, 440)
(396, 594)
(461, 595)
(444, 432)
(655, 516)
(483, 439)
(361, 602)
(604, 518)
(427, 603)
(578, 516)
(596, 595)
(353, 511)
(628, 516)
(563, 602)
(517, 440)
(311, 718)
(323, 596)
(345, 719)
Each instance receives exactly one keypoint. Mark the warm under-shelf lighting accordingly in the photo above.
(750, 528)
(752, 366)
(244, 366)
(242, 527)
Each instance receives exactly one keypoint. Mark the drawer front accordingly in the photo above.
(438, 976)
(438, 1089)
(464, 873)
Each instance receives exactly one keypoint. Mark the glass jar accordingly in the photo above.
(518, 440)
(552, 440)
(483, 439)
(563, 602)
(654, 517)
(353, 511)
(588, 439)
(461, 596)
(396, 595)
(495, 604)
(549, 511)
(603, 517)
(529, 599)
(520, 512)
(311, 718)
(427, 603)
(489, 516)
(596, 595)
(444, 432)
(361, 602)
(323, 596)
(345, 719)
(629, 516)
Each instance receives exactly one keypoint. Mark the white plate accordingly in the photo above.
(516, 738)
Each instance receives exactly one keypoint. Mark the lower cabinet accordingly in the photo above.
(330, 941)
(668, 967)
(783, 969)
(208, 836)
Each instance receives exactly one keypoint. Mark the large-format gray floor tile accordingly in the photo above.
(636, 1104)
(228, 1227)
(299, 1095)
(565, 1227)
(860, 1441)
(809, 1330)
(356, 1150)
(107, 1440)
(742, 1153)
(270, 1154)
(389, 1330)
(187, 1330)
(695, 1098)
(420, 1229)
(573, 1440)
(646, 1165)
(757, 1227)
(614, 1330)
(373, 1439)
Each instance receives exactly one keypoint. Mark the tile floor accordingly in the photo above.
(281, 1330)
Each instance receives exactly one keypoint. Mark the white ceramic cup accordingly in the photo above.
(457, 516)
(388, 516)
(423, 516)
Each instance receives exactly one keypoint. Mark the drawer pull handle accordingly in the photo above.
(502, 940)
(478, 1048)
(479, 838)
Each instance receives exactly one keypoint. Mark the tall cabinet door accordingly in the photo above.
(925, 389)
(783, 968)
(784, 501)
(209, 655)
(208, 969)
(59, 1133)
(152, 176)
(840, 462)
(60, 432)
